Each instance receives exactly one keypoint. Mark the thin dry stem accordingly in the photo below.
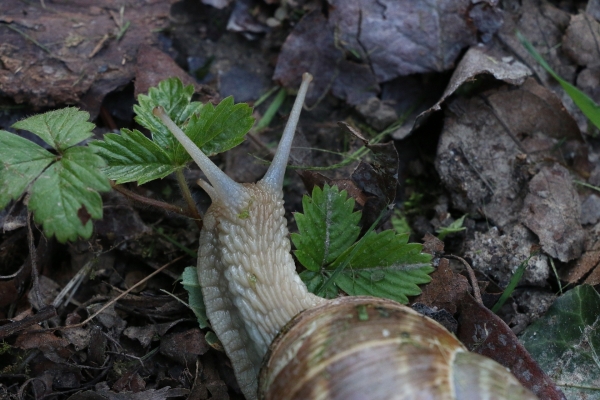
(125, 293)
(472, 278)
(187, 195)
(148, 201)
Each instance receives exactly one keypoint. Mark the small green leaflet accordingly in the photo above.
(379, 264)
(189, 280)
(131, 156)
(454, 227)
(63, 188)
(327, 228)
(61, 129)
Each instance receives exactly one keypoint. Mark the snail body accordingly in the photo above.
(251, 292)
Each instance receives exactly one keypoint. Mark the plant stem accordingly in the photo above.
(187, 195)
(149, 201)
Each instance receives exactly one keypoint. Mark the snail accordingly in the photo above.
(251, 292)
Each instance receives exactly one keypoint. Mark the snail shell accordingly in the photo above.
(369, 348)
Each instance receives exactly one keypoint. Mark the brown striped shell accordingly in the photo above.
(369, 348)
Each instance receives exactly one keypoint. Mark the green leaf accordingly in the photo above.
(385, 266)
(566, 342)
(131, 156)
(454, 227)
(22, 162)
(589, 108)
(63, 188)
(171, 95)
(220, 128)
(189, 280)
(400, 223)
(271, 111)
(326, 229)
(379, 264)
(385, 282)
(512, 285)
(315, 280)
(61, 129)
(65, 196)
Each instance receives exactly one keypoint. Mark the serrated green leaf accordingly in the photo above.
(379, 264)
(385, 266)
(61, 129)
(63, 187)
(384, 282)
(171, 95)
(189, 280)
(21, 162)
(386, 249)
(327, 227)
(65, 196)
(131, 156)
(315, 280)
(220, 128)
(566, 342)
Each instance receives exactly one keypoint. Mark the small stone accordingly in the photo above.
(590, 210)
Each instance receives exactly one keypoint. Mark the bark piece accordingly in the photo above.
(71, 52)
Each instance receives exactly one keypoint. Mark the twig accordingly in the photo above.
(149, 201)
(71, 288)
(34, 272)
(187, 196)
(17, 326)
(472, 278)
(113, 301)
(99, 45)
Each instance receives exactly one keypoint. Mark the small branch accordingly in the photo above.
(14, 327)
(187, 195)
(125, 293)
(148, 201)
(472, 278)
(34, 271)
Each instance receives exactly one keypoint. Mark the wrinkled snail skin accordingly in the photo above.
(251, 291)
(249, 283)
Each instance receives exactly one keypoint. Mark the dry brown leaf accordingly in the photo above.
(482, 158)
(311, 47)
(480, 60)
(363, 43)
(184, 347)
(485, 333)
(445, 290)
(553, 212)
